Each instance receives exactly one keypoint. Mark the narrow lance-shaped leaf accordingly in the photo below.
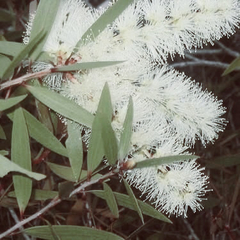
(235, 64)
(111, 201)
(126, 135)
(10, 102)
(23, 53)
(86, 65)
(21, 155)
(74, 148)
(70, 232)
(4, 64)
(2, 133)
(7, 166)
(104, 20)
(125, 201)
(62, 171)
(133, 199)
(11, 48)
(62, 105)
(164, 160)
(42, 135)
(109, 139)
(96, 148)
(43, 21)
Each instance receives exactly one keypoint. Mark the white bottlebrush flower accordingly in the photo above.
(173, 188)
(170, 110)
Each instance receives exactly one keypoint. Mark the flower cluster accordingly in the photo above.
(171, 111)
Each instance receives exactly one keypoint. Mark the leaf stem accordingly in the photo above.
(56, 201)
(25, 78)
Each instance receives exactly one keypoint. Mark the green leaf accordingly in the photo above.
(22, 54)
(21, 155)
(10, 102)
(44, 115)
(109, 140)
(64, 189)
(164, 160)
(111, 201)
(70, 233)
(62, 105)
(134, 200)
(2, 133)
(125, 201)
(62, 171)
(235, 64)
(42, 135)
(6, 16)
(126, 135)
(38, 194)
(4, 63)
(43, 21)
(104, 20)
(86, 65)
(74, 148)
(96, 148)
(7, 166)
(4, 152)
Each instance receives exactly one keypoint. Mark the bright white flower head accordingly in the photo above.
(170, 110)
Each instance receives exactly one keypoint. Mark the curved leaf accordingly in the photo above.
(163, 160)
(62, 105)
(125, 201)
(70, 233)
(7, 166)
(10, 102)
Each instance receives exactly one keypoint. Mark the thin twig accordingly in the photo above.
(228, 50)
(15, 217)
(22, 79)
(200, 63)
(56, 201)
(193, 234)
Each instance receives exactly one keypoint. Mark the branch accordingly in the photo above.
(25, 78)
(56, 201)
(200, 63)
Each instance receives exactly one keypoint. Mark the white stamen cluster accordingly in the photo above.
(170, 110)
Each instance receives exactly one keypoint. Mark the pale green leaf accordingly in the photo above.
(7, 166)
(38, 194)
(21, 155)
(126, 135)
(62, 105)
(4, 64)
(22, 54)
(4, 152)
(164, 160)
(62, 171)
(85, 65)
(11, 48)
(70, 233)
(111, 201)
(235, 64)
(42, 135)
(96, 148)
(10, 102)
(109, 140)
(125, 201)
(2, 133)
(5, 15)
(104, 20)
(43, 21)
(74, 148)
(134, 200)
